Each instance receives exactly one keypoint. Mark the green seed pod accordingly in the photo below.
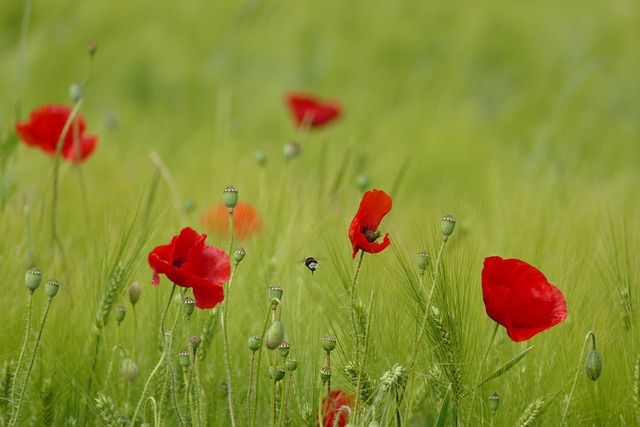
(188, 306)
(362, 181)
(423, 261)
(328, 343)
(129, 370)
(194, 342)
(254, 342)
(283, 349)
(447, 225)
(291, 364)
(275, 292)
(32, 278)
(274, 335)
(261, 157)
(230, 197)
(494, 402)
(238, 255)
(291, 150)
(76, 92)
(134, 292)
(279, 373)
(593, 365)
(325, 374)
(184, 358)
(51, 288)
(120, 313)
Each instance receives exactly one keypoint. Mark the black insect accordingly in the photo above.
(311, 263)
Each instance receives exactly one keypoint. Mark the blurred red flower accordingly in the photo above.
(44, 127)
(189, 262)
(309, 111)
(519, 297)
(246, 220)
(340, 399)
(363, 231)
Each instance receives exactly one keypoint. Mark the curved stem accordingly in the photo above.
(144, 390)
(166, 309)
(24, 347)
(591, 335)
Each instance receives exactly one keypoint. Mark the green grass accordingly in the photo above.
(521, 120)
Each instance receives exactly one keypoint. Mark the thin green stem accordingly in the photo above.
(274, 394)
(166, 309)
(94, 364)
(196, 369)
(264, 330)
(230, 253)
(253, 358)
(591, 335)
(225, 335)
(24, 347)
(144, 391)
(286, 398)
(189, 410)
(16, 416)
(364, 357)
(169, 368)
(113, 356)
(354, 325)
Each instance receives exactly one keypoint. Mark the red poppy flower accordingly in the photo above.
(44, 127)
(519, 297)
(310, 111)
(189, 262)
(363, 231)
(246, 220)
(340, 399)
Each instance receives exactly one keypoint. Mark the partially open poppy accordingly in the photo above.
(189, 262)
(340, 399)
(308, 110)
(44, 127)
(519, 297)
(246, 220)
(363, 231)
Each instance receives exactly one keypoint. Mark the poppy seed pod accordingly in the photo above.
(494, 402)
(325, 374)
(239, 254)
(230, 197)
(188, 306)
(129, 370)
(33, 278)
(291, 365)
(423, 261)
(120, 313)
(593, 365)
(275, 292)
(134, 292)
(291, 149)
(447, 225)
(195, 341)
(261, 157)
(279, 375)
(254, 342)
(283, 349)
(184, 358)
(274, 335)
(51, 288)
(328, 343)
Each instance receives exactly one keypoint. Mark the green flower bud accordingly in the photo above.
(593, 365)
(325, 374)
(230, 197)
(279, 373)
(447, 225)
(261, 157)
(254, 342)
(283, 349)
(194, 342)
(291, 364)
(362, 181)
(32, 278)
(91, 49)
(423, 261)
(188, 306)
(120, 313)
(328, 343)
(184, 358)
(238, 255)
(494, 402)
(274, 335)
(291, 150)
(76, 92)
(275, 292)
(51, 288)
(129, 370)
(134, 292)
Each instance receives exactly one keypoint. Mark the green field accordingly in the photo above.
(521, 119)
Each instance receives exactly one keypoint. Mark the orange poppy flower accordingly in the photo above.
(246, 220)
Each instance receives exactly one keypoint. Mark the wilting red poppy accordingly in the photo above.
(44, 127)
(246, 220)
(519, 297)
(189, 262)
(340, 399)
(363, 231)
(310, 111)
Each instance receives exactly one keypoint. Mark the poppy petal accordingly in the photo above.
(209, 296)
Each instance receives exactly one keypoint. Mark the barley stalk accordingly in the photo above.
(531, 414)
(107, 410)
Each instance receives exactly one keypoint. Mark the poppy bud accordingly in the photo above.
(32, 278)
(291, 364)
(76, 92)
(129, 370)
(283, 349)
(261, 157)
(291, 150)
(275, 292)
(279, 373)
(238, 255)
(494, 402)
(195, 341)
(188, 306)
(120, 313)
(184, 358)
(274, 335)
(362, 181)
(328, 343)
(91, 49)
(134, 292)
(51, 288)
(447, 225)
(325, 374)
(423, 261)
(254, 342)
(593, 365)
(230, 197)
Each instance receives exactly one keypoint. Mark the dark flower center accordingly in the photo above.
(371, 235)
(178, 263)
